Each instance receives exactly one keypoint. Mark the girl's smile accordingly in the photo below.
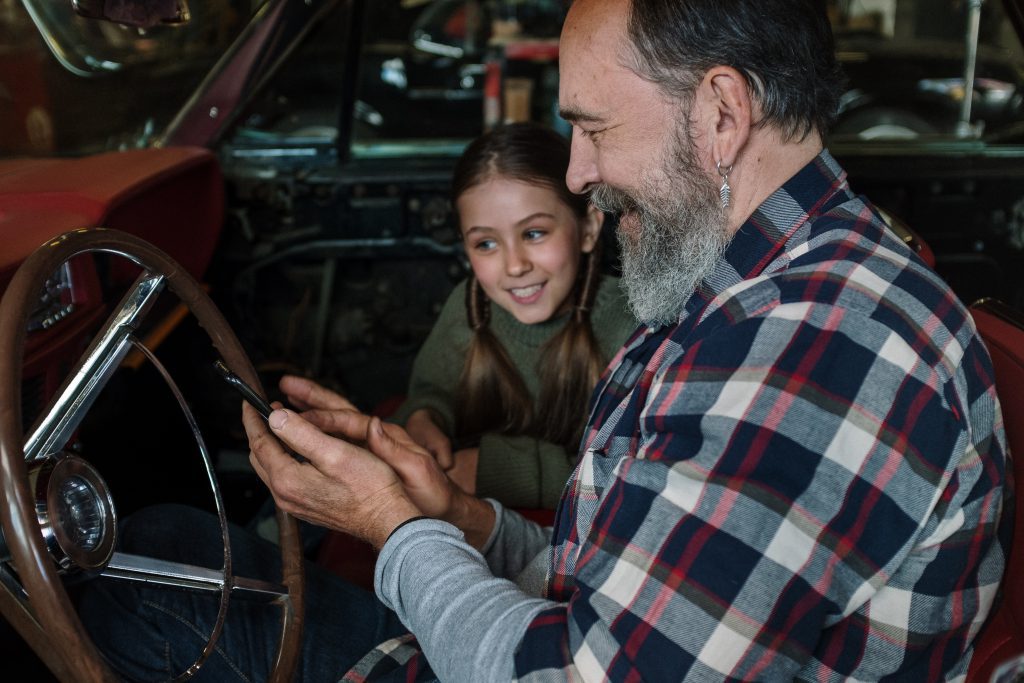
(527, 295)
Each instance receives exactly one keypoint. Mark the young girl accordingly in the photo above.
(500, 388)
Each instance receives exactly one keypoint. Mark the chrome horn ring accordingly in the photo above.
(75, 512)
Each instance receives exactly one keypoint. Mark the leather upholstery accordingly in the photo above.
(1002, 637)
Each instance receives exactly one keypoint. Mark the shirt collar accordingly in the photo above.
(780, 220)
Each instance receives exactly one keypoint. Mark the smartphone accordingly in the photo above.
(247, 392)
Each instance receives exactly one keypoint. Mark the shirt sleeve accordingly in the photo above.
(771, 453)
(515, 543)
(467, 621)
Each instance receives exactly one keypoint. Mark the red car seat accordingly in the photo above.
(909, 236)
(1002, 637)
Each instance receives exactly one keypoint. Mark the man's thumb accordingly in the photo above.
(380, 442)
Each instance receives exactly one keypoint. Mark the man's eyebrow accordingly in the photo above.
(572, 114)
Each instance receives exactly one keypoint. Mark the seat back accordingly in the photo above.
(909, 236)
(1002, 637)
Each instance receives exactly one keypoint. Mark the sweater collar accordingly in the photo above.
(508, 328)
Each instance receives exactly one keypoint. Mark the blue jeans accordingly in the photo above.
(154, 633)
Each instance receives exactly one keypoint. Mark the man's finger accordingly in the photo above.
(307, 393)
(266, 452)
(346, 424)
(443, 452)
(395, 453)
(307, 439)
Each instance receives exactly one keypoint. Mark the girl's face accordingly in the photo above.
(525, 245)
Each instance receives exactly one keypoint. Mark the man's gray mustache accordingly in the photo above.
(612, 201)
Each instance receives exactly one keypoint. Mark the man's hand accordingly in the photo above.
(305, 394)
(463, 472)
(422, 478)
(341, 486)
(424, 430)
(353, 463)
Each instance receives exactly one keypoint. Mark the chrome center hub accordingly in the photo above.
(75, 513)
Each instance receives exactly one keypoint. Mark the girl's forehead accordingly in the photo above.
(497, 189)
(507, 205)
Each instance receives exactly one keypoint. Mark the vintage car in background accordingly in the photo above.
(293, 157)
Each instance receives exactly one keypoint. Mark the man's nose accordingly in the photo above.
(582, 173)
(517, 262)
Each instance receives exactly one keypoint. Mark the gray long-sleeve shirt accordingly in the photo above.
(467, 620)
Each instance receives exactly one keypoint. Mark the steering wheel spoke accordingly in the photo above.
(142, 569)
(72, 401)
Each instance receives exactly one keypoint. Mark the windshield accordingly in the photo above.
(72, 86)
(432, 74)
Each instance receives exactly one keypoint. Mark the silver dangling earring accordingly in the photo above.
(725, 192)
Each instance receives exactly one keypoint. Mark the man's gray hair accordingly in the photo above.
(784, 48)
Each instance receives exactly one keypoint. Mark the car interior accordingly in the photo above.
(266, 183)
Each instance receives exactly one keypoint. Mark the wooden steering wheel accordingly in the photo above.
(57, 515)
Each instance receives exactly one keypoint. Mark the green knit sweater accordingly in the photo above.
(519, 471)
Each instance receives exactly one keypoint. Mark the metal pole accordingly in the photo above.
(964, 128)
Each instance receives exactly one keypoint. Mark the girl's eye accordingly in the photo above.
(534, 234)
(485, 245)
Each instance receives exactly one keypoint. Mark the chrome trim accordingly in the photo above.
(82, 386)
(57, 50)
(10, 583)
(150, 570)
(204, 452)
(225, 576)
(65, 552)
(964, 128)
(1000, 309)
(56, 302)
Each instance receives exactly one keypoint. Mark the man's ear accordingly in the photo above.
(590, 228)
(727, 108)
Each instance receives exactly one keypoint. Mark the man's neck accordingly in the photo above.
(764, 166)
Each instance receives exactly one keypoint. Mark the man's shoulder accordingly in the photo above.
(846, 271)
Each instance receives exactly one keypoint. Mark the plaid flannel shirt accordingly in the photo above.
(802, 479)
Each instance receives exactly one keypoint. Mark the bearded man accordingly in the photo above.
(793, 470)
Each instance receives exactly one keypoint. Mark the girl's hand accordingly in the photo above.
(425, 432)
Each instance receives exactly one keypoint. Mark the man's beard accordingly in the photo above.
(678, 232)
